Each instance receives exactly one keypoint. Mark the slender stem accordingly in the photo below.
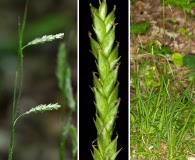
(63, 126)
(18, 118)
(20, 55)
(164, 34)
(62, 139)
(19, 70)
(186, 27)
(13, 118)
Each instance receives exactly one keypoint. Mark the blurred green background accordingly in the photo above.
(37, 135)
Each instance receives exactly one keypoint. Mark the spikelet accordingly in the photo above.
(40, 108)
(43, 107)
(46, 38)
(105, 82)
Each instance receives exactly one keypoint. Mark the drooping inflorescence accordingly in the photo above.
(40, 108)
(46, 38)
(105, 81)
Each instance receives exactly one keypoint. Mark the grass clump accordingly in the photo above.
(162, 97)
(162, 116)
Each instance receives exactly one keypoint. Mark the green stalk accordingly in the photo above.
(19, 71)
(62, 137)
(105, 81)
(163, 12)
(63, 73)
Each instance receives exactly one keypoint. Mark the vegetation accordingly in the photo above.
(162, 97)
(64, 78)
(63, 74)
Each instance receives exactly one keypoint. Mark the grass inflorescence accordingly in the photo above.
(40, 108)
(105, 81)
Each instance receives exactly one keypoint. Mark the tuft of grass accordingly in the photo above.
(162, 117)
(162, 102)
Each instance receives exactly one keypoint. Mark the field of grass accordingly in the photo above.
(162, 118)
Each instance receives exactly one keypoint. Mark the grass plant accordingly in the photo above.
(105, 81)
(63, 73)
(19, 79)
(162, 116)
(162, 104)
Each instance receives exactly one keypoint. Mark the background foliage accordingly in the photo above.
(35, 135)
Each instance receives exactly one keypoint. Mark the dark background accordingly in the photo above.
(87, 130)
(37, 135)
